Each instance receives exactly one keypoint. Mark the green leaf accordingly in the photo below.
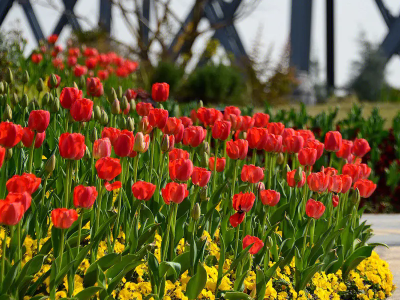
(307, 275)
(197, 283)
(355, 258)
(148, 233)
(31, 267)
(9, 279)
(167, 266)
(113, 283)
(279, 214)
(261, 285)
(216, 197)
(87, 293)
(237, 296)
(238, 259)
(61, 274)
(153, 266)
(184, 260)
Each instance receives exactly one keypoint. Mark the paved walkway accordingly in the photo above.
(387, 230)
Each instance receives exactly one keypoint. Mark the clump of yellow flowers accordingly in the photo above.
(372, 278)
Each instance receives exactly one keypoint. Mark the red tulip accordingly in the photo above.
(257, 137)
(177, 154)
(221, 130)
(84, 196)
(329, 171)
(69, 95)
(315, 209)
(292, 181)
(361, 147)
(160, 92)
(365, 171)
(81, 110)
(131, 94)
(200, 176)
(36, 58)
(345, 150)
(143, 190)
(288, 132)
(102, 148)
(236, 219)
(247, 123)
(94, 87)
(236, 122)
(10, 212)
(167, 143)
(80, 70)
(28, 136)
(346, 183)
(257, 244)
(335, 200)
(275, 128)
(186, 121)
(193, 115)
(237, 149)
(39, 120)
(174, 192)
(143, 109)
(172, 126)
(270, 197)
(231, 110)
(307, 156)
(71, 61)
(58, 81)
(335, 184)
(23, 183)
(193, 136)
(123, 145)
(333, 141)
(24, 198)
(180, 169)
(317, 145)
(91, 62)
(365, 187)
(108, 168)
(2, 156)
(273, 143)
(111, 133)
(158, 117)
(318, 182)
(63, 218)
(261, 119)
(243, 202)
(208, 116)
(179, 133)
(307, 135)
(142, 143)
(221, 162)
(144, 125)
(52, 39)
(293, 144)
(252, 174)
(72, 146)
(112, 186)
(353, 170)
(90, 52)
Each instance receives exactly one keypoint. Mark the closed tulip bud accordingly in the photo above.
(6, 86)
(9, 76)
(55, 105)
(3, 99)
(9, 154)
(132, 104)
(24, 101)
(355, 196)
(122, 123)
(76, 85)
(112, 96)
(196, 211)
(93, 135)
(33, 105)
(298, 176)
(130, 124)
(104, 118)
(205, 147)
(280, 159)
(97, 113)
(124, 103)
(40, 85)
(120, 93)
(25, 77)
(14, 99)
(203, 194)
(269, 243)
(50, 165)
(115, 107)
(201, 103)
(139, 142)
(165, 143)
(286, 169)
(87, 155)
(53, 80)
(7, 115)
(2, 89)
(204, 160)
(45, 99)
(81, 82)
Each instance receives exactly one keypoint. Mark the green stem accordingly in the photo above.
(19, 251)
(3, 257)
(80, 228)
(160, 175)
(67, 183)
(100, 188)
(215, 166)
(116, 231)
(136, 162)
(312, 233)
(237, 240)
(153, 143)
(166, 236)
(305, 238)
(61, 248)
(30, 162)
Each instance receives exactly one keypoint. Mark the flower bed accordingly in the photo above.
(208, 206)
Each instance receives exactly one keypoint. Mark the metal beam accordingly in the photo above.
(5, 6)
(330, 45)
(68, 16)
(300, 34)
(30, 15)
(391, 43)
(105, 15)
(387, 16)
(146, 17)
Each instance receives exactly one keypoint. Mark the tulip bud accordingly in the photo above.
(122, 123)
(269, 242)
(50, 165)
(81, 82)
(53, 80)
(93, 135)
(280, 159)
(55, 105)
(286, 169)
(355, 196)
(204, 160)
(33, 105)
(139, 145)
(24, 101)
(112, 96)
(298, 176)
(3, 99)
(260, 187)
(120, 93)
(201, 103)
(9, 154)
(124, 103)
(9, 76)
(76, 85)
(133, 106)
(2, 89)
(7, 115)
(45, 99)
(6, 86)
(130, 124)
(104, 118)
(165, 145)
(205, 148)
(40, 85)
(25, 77)
(203, 194)
(196, 211)
(87, 155)
(115, 108)
(14, 99)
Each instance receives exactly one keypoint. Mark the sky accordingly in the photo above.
(269, 22)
